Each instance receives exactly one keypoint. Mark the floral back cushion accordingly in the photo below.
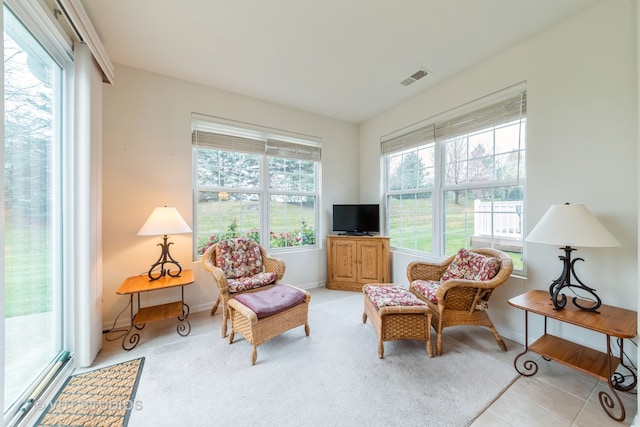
(239, 257)
(471, 266)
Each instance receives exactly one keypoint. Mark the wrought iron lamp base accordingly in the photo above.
(165, 258)
(564, 281)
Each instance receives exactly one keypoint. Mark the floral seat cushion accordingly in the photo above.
(239, 257)
(471, 266)
(391, 296)
(427, 288)
(259, 280)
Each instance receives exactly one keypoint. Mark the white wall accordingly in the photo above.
(581, 148)
(147, 163)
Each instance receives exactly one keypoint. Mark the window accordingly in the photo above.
(457, 181)
(254, 182)
(33, 100)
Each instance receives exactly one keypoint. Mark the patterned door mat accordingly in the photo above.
(103, 397)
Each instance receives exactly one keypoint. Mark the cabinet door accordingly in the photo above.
(343, 261)
(370, 261)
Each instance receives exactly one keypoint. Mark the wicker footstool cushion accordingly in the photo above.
(396, 314)
(261, 315)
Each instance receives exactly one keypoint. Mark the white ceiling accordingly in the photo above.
(343, 59)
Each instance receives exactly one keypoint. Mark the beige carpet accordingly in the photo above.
(102, 397)
(331, 378)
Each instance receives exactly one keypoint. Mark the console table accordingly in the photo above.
(610, 321)
(140, 316)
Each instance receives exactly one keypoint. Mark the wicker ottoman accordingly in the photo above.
(261, 315)
(396, 314)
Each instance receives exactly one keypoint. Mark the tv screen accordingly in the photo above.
(355, 219)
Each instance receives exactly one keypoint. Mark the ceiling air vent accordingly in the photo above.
(414, 77)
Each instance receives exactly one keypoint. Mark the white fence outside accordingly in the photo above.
(506, 221)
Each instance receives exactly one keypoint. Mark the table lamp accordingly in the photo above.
(162, 222)
(571, 225)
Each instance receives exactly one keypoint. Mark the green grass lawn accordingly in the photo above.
(28, 280)
(28, 287)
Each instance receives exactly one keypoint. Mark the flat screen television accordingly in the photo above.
(356, 219)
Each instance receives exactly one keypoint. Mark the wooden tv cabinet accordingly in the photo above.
(353, 261)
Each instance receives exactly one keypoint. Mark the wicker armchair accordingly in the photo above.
(459, 301)
(240, 265)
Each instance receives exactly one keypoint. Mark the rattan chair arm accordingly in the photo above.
(209, 258)
(244, 310)
(272, 264)
(221, 280)
(448, 294)
(463, 283)
(209, 263)
(423, 270)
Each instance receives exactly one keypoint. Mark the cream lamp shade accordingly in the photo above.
(163, 221)
(571, 225)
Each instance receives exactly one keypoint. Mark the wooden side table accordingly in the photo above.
(140, 316)
(610, 321)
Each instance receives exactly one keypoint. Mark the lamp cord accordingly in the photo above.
(582, 297)
(123, 332)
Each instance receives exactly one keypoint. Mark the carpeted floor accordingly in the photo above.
(333, 377)
(103, 397)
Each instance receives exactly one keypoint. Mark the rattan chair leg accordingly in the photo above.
(225, 319)
(306, 329)
(381, 349)
(428, 344)
(498, 338)
(215, 306)
(254, 355)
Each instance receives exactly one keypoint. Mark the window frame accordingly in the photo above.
(58, 47)
(266, 144)
(486, 114)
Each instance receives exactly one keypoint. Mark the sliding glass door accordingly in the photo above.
(32, 231)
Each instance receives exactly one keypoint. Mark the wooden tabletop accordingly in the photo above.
(609, 320)
(141, 283)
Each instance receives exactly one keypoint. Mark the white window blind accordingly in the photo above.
(226, 142)
(223, 137)
(409, 140)
(501, 107)
(504, 111)
(292, 150)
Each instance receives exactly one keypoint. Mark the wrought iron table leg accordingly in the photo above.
(614, 382)
(135, 338)
(529, 367)
(618, 379)
(184, 327)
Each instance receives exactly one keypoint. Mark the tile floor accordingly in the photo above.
(555, 396)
